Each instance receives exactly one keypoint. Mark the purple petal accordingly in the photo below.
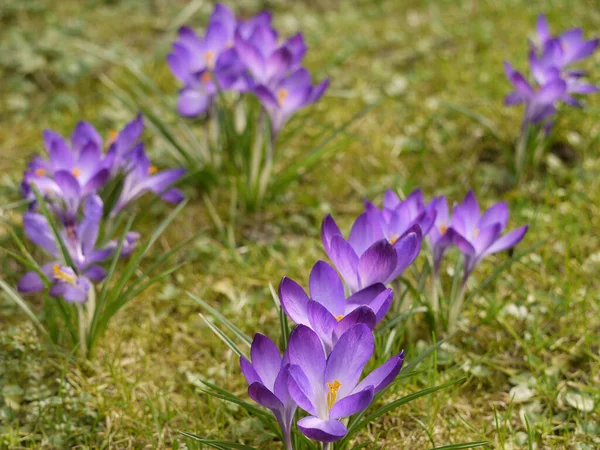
(68, 184)
(551, 92)
(173, 196)
(327, 288)
(193, 102)
(362, 314)
(278, 63)
(463, 244)
(543, 30)
(38, 231)
(348, 358)
(498, 213)
(251, 57)
(365, 232)
(377, 263)
(61, 155)
(508, 240)
(294, 301)
(381, 304)
(266, 359)
(352, 404)
(329, 229)
(266, 97)
(322, 430)
(322, 322)
(345, 260)
(248, 371)
(95, 273)
(85, 134)
(317, 91)
(30, 282)
(407, 249)
(263, 396)
(97, 181)
(161, 181)
(301, 390)
(381, 377)
(305, 350)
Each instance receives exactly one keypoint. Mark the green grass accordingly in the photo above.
(531, 334)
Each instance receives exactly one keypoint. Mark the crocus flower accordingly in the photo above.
(267, 377)
(440, 234)
(283, 98)
(539, 103)
(71, 173)
(328, 387)
(142, 177)
(123, 142)
(327, 311)
(80, 242)
(573, 47)
(398, 216)
(478, 236)
(367, 257)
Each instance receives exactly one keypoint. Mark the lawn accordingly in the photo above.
(527, 343)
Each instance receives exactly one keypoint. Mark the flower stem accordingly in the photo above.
(521, 150)
(326, 445)
(82, 334)
(457, 306)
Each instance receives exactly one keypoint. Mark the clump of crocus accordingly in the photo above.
(327, 311)
(244, 81)
(75, 195)
(242, 56)
(553, 80)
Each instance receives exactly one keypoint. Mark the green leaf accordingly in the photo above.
(222, 319)
(462, 446)
(222, 336)
(21, 304)
(217, 443)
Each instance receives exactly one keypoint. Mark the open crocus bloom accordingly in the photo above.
(397, 216)
(267, 377)
(573, 47)
(327, 312)
(142, 177)
(367, 257)
(287, 95)
(328, 388)
(478, 236)
(80, 241)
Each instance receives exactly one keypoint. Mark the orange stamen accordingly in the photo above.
(282, 94)
(206, 78)
(76, 172)
(40, 172)
(332, 394)
(59, 274)
(152, 170)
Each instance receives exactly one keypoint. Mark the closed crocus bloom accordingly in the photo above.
(143, 177)
(327, 311)
(367, 257)
(267, 377)
(477, 235)
(440, 234)
(329, 387)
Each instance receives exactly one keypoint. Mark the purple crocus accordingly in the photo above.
(267, 377)
(123, 142)
(329, 387)
(71, 173)
(80, 241)
(397, 216)
(327, 311)
(572, 45)
(440, 234)
(478, 235)
(540, 104)
(367, 257)
(143, 177)
(283, 98)
(207, 64)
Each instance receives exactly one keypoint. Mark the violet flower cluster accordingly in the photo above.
(242, 56)
(72, 178)
(554, 79)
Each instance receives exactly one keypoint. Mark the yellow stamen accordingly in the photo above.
(76, 172)
(340, 317)
(210, 59)
(394, 239)
(61, 275)
(476, 232)
(152, 170)
(206, 78)
(443, 229)
(332, 394)
(40, 172)
(112, 136)
(282, 94)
